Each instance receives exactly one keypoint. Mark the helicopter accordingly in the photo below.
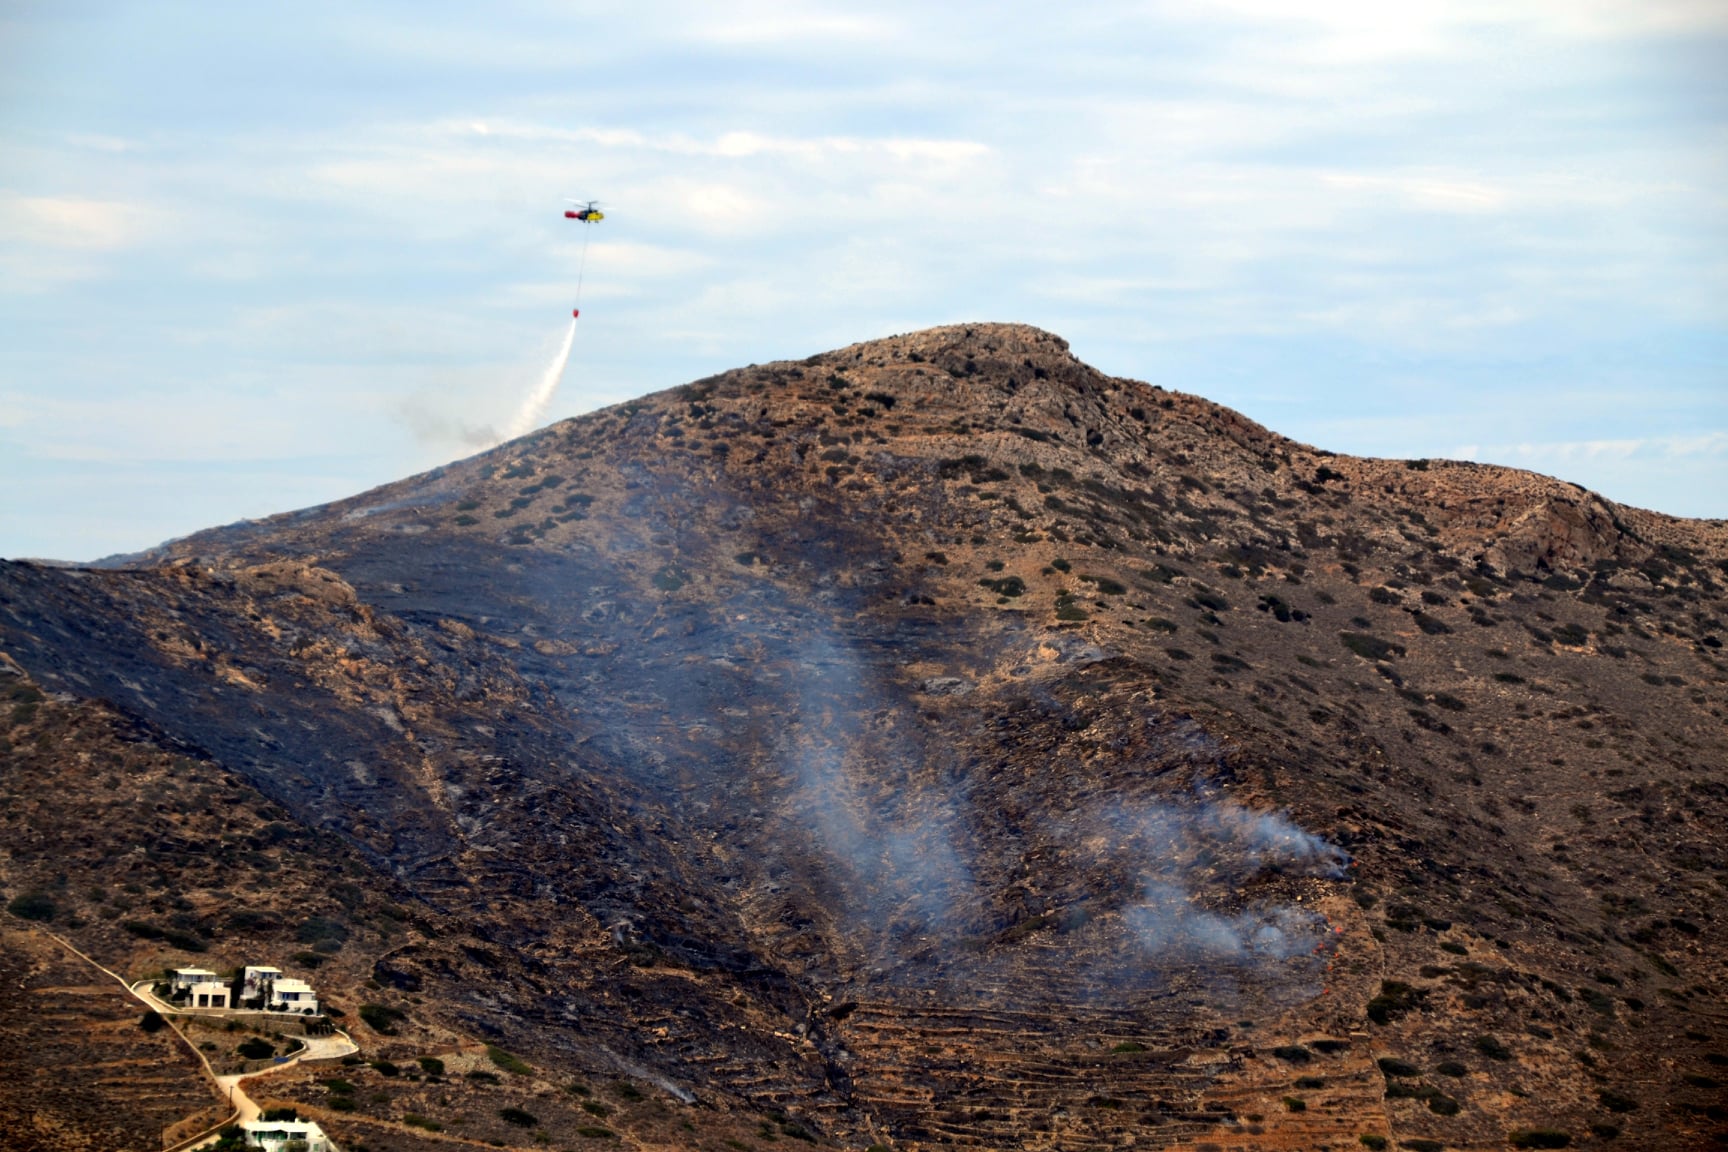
(588, 212)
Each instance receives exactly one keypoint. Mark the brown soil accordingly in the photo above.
(933, 742)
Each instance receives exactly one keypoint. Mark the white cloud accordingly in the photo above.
(777, 22)
(78, 223)
(1702, 445)
(1429, 191)
(1354, 31)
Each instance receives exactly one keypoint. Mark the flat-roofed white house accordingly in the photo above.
(199, 988)
(277, 1135)
(255, 982)
(290, 995)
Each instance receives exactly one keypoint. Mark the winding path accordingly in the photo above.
(245, 1108)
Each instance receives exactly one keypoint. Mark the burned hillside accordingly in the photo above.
(937, 741)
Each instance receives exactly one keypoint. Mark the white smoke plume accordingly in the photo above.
(534, 405)
(1174, 843)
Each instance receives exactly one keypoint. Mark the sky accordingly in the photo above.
(256, 257)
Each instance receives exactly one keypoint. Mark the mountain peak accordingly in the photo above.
(933, 720)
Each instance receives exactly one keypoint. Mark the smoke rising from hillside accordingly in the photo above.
(899, 850)
(1189, 856)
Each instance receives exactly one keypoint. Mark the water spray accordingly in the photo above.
(534, 406)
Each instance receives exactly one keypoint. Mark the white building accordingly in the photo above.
(276, 1135)
(255, 982)
(290, 995)
(199, 988)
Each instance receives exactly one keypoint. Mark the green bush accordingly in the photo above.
(514, 1065)
(594, 1132)
(419, 1121)
(432, 1066)
(1370, 647)
(596, 1108)
(1442, 1105)
(1372, 1140)
(281, 1114)
(256, 1048)
(1295, 1104)
(382, 1018)
(1394, 1000)
(518, 1117)
(1430, 625)
(184, 941)
(1391, 1066)
(33, 906)
(1539, 1138)
(322, 933)
(1451, 1068)
(152, 1021)
(1107, 586)
(385, 1068)
(1615, 1102)
(1293, 1053)
(1492, 1048)
(1311, 1083)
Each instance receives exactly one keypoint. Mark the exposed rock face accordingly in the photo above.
(939, 741)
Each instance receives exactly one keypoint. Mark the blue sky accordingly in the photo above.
(254, 257)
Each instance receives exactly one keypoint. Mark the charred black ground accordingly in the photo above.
(937, 741)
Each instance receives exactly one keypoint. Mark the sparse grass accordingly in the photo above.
(514, 1065)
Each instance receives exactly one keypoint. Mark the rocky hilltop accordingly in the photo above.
(932, 742)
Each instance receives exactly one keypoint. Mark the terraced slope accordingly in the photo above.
(875, 743)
